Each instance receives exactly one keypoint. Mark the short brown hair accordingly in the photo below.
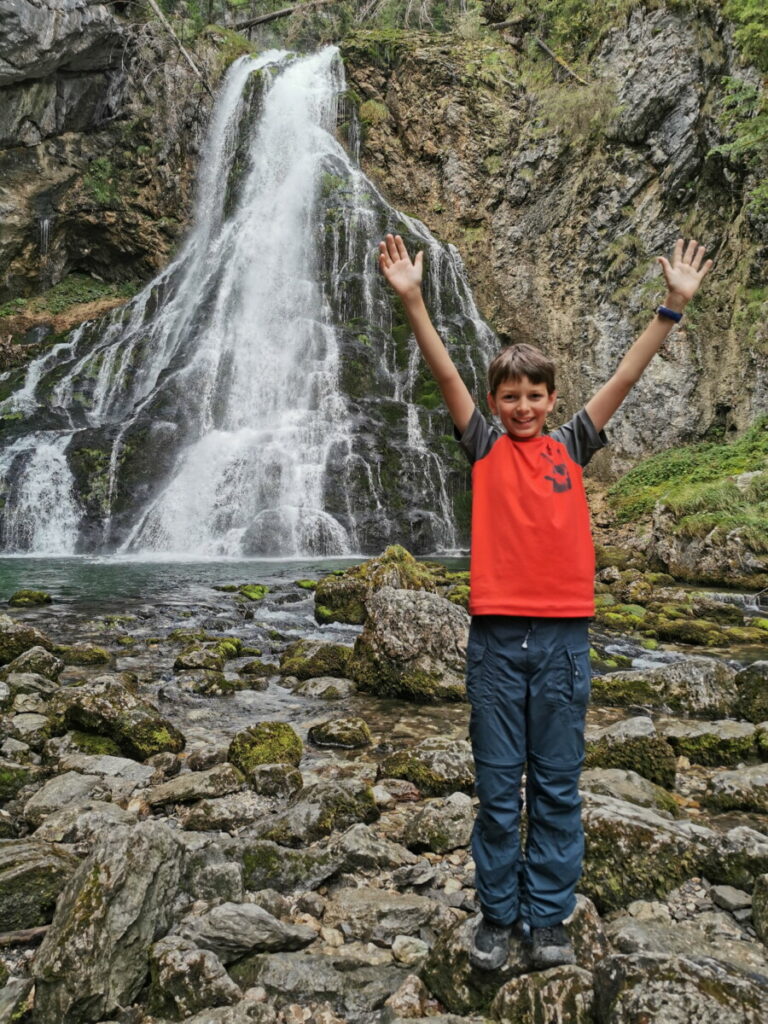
(516, 361)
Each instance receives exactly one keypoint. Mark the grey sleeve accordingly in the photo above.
(580, 437)
(478, 439)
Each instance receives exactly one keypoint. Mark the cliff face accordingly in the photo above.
(559, 196)
(100, 119)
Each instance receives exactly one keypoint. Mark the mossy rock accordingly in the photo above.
(13, 777)
(17, 637)
(199, 658)
(649, 756)
(307, 584)
(343, 598)
(350, 733)
(265, 743)
(228, 647)
(717, 743)
(32, 874)
(92, 743)
(253, 591)
(696, 632)
(258, 669)
(306, 659)
(623, 691)
(609, 555)
(84, 654)
(438, 767)
(319, 810)
(29, 598)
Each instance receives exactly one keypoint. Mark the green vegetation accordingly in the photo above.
(72, 291)
(100, 182)
(744, 120)
(695, 483)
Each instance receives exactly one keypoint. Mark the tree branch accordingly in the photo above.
(167, 25)
(282, 13)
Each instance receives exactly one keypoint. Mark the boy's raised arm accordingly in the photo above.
(404, 275)
(683, 276)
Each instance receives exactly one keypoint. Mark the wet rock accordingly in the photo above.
(186, 979)
(378, 915)
(17, 637)
(629, 786)
(277, 780)
(560, 995)
(32, 874)
(697, 686)
(413, 646)
(344, 597)
(199, 658)
(442, 825)
(65, 790)
(269, 866)
(307, 659)
(37, 660)
(108, 707)
(359, 849)
(349, 983)
(350, 733)
(662, 989)
(318, 810)
(710, 743)
(232, 930)
(760, 907)
(208, 682)
(752, 692)
(85, 653)
(224, 814)
(95, 957)
(265, 743)
(437, 766)
(633, 745)
(326, 688)
(217, 781)
(743, 788)
(29, 598)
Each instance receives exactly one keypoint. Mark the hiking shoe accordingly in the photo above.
(490, 946)
(551, 947)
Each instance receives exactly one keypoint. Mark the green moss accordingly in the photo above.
(374, 112)
(305, 659)
(13, 777)
(623, 692)
(405, 765)
(73, 290)
(90, 743)
(253, 591)
(85, 654)
(265, 743)
(307, 584)
(649, 756)
(709, 749)
(28, 598)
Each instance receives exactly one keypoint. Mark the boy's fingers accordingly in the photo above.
(665, 266)
(677, 252)
(419, 260)
(696, 261)
(392, 248)
(706, 268)
(402, 252)
(690, 252)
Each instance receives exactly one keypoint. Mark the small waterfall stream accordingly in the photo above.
(260, 396)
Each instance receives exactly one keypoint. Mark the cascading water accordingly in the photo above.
(260, 396)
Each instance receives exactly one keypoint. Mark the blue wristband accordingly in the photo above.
(669, 314)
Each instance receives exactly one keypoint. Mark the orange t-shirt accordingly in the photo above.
(532, 551)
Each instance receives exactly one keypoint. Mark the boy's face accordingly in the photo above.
(522, 406)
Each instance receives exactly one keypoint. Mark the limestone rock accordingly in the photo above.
(760, 907)
(702, 687)
(350, 733)
(378, 915)
(560, 995)
(95, 956)
(65, 790)
(413, 646)
(437, 766)
(410, 1000)
(752, 692)
(307, 659)
(633, 745)
(360, 850)
(17, 637)
(277, 780)
(186, 979)
(442, 825)
(662, 989)
(265, 743)
(326, 688)
(32, 874)
(742, 788)
(189, 786)
(82, 822)
(710, 743)
(269, 866)
(224, 814)
(629, 786)
(14, 777)
(318, 810)
(37, 660)
(232, 930)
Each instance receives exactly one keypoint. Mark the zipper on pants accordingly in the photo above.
(524, 644)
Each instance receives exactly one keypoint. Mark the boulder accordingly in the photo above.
(326, 688)
(189, 786)
(82, 822)
(413, 646)
(723, 742)
(742, 789)
(18, 637)
(378, 915)
(265, 743)
(752, 692)
(67, 790)
(661, 989)
(442, 825)
(318, 810)
(95, 957)
(37, 660)
(277, 780)
(438, 766)
(629, 786)
(359, 849)
(269, 866)
(349, 733)
(560, 995)
(186, 979)
(224, 814)
(307, 659)
(697, 686)
(32, 874)
(633, 745)
(233, 930)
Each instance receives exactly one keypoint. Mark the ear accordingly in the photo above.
(551, 402)
(492, 403)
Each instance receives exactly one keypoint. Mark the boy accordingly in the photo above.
(531, 596)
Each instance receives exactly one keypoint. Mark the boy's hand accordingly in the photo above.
(684, 274)
(396, 265)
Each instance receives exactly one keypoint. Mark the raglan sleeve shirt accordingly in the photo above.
(532, 552)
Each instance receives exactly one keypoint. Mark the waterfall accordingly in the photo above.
(260, 396)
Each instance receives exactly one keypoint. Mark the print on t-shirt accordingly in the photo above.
(561, 481)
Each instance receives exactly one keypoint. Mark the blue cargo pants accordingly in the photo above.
(528, 683)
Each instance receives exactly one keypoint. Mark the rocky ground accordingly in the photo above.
(224, 812)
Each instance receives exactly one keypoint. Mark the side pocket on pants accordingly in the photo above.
(476, 653)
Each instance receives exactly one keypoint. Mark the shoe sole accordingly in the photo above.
(487, 961)
(552, 956)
